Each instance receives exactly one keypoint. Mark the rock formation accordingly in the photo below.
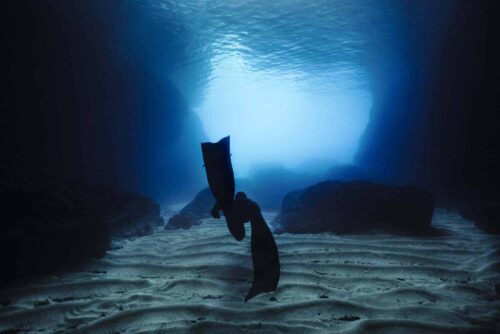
(345, 207)
(193, 213)
(47, 226)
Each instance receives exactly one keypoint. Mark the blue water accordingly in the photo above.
(131, 87)
(290, 81)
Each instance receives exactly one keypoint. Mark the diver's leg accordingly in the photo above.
(235, 224)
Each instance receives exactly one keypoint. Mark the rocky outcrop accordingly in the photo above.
(126, 214)
(47, 226)
(345, 207)
(485, 214)
(193, 213)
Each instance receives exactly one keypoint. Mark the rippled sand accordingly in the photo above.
(195, 281)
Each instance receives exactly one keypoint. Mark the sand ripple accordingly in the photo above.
(195, 281)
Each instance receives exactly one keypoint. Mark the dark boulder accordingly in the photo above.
(45, 227)
(127, 214)
(345, 207)
(489, 217)
(485, 214)
(194, 212)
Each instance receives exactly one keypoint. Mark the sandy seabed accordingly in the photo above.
(194, 281)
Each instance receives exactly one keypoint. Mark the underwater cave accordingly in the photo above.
(357, 127)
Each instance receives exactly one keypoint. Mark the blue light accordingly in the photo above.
(281, 118)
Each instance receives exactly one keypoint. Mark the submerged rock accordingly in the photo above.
(126, 213)
(345, 207)
(193, 213)
(485, 214)
(488, 218)
(44, 227)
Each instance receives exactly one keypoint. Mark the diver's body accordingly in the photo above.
(264, 250)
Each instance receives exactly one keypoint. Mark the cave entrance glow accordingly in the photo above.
(276, 117)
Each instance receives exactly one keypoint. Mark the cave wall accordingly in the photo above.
(87, 94)
(434, 122)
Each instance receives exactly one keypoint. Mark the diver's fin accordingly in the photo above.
(266, 264)
(220, 175)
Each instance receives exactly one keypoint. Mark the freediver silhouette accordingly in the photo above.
(239, 210)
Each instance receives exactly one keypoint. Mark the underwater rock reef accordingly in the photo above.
(267, 186)
(345, 207)
(485, 214)
(194, 212)
(47, 226)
